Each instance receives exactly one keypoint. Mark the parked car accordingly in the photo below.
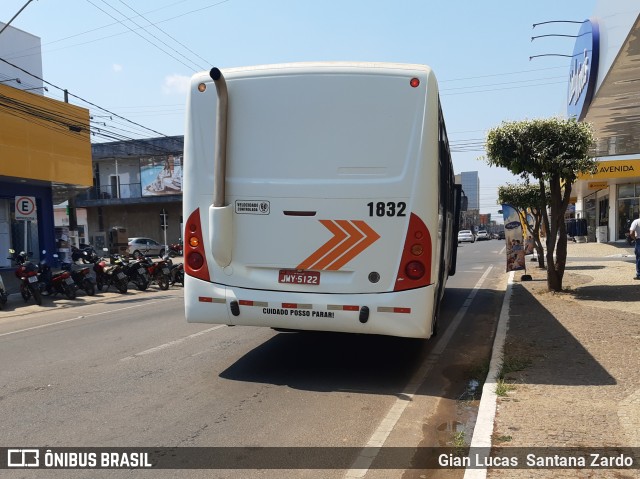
(501, 234)
(466, 236)
(145, 246)
(482, 235)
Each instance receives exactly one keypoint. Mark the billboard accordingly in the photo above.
(161, 175)
(514, 237)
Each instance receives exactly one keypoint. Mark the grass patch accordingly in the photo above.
(458, 439)
(512, 365)
(503, 387)
(502, 438)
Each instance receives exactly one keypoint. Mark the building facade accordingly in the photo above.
(471, 186)
(45, 152)
(470, 219)
(604, 90)
(137, 185)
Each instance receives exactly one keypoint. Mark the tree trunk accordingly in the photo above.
(558, 234)
(536, 238)
(540, 252)
(554, 281)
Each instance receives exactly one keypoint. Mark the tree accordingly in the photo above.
(526, 198)
(554, 152)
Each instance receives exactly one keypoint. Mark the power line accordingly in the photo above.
(82, 99)
(142, 36)
(503, 83)
(23, 53)
(174, 39)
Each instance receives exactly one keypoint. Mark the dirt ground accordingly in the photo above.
(571, 364)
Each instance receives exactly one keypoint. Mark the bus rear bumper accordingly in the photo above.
(404, 314)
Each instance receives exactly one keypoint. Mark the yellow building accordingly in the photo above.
(45, 158)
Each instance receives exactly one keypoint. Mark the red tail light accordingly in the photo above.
(195, 264)
(414, 270)
(415, 265)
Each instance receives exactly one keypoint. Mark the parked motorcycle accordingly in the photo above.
(176, 249)
(137, 272)
(159, 271)
(113, 273)
(108, 274)
(176, 272)
(3, 293)
(98, 266)
(27, 273)
(83, 276)
(57, 282)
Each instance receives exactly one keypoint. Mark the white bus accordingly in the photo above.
(318, 196)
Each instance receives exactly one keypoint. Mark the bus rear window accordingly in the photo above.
(314, 134)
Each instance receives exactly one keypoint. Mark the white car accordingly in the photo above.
(482, 235)
(466, 236)
(145, 246)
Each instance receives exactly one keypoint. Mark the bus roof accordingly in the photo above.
(310, 67)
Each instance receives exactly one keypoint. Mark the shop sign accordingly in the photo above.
(598, 185)
(584, 70)
(614, 169)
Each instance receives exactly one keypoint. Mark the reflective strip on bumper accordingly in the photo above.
(342, 307)
(386, 309)
(297, 306)
(259, 304)
(207, 299)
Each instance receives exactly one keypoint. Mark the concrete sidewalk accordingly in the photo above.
(569, 363)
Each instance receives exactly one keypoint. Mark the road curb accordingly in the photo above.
(483, 430)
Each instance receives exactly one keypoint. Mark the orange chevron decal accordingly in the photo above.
(350, 238)
(338, 237)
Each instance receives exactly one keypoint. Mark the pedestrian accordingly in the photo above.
(634, 233)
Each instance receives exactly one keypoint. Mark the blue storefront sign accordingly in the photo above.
(583, 73)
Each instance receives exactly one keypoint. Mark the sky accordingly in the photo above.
(135, 58)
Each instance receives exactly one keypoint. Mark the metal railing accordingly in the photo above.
(107, 192)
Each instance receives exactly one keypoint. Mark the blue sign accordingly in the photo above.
(584, 70)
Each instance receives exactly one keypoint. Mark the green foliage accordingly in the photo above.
(542, 148)
(521, 196)
(553, 151)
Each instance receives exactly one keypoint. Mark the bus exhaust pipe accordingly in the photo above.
(220, 215)
(220, 159)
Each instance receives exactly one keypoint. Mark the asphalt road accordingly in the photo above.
(130, 372)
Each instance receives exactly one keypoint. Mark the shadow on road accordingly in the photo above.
(371, 364)
(332, 362)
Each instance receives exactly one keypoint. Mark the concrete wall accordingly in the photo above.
(24, 50)
(140, 220)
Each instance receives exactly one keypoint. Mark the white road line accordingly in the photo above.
(483, 430)
(172, 343)
(363, 462)
(77, 318)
